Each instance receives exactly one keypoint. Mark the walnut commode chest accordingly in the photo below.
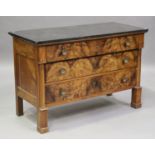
(56, 66)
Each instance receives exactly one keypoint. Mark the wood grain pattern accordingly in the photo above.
(42, 120)
(24, 48)
(40, 86)
(41, 55)
(89, 66)
(19, 100)
(57, 73)
(27, 96)
(79, 88)
(136, 97)
(19, 106)
(27, 76)
(91, 48)
(137, 90)
(25, 73)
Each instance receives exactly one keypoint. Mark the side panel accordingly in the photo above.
(25, 70)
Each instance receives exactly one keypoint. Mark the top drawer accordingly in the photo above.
(82, 49)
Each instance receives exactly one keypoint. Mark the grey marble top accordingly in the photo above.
(46, 35)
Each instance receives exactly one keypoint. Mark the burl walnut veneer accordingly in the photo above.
(55, 66)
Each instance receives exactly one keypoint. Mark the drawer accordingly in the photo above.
(72, 90)
(88, 66)
(89, 48)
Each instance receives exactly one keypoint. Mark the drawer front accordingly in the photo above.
(91, 48)
(89, 66)
(90, 86)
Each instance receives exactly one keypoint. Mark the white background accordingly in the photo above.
(98, 8)
(101, 117)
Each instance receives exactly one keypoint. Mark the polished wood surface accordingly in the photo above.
(90, 48)
(57, 73)
(136, 97)
(71, 90)
(90, 66)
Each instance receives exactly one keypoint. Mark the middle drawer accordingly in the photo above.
(88, 66)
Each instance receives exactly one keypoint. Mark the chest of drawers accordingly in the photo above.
(56, 66)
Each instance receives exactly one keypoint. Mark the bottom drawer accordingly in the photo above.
(72, 90)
